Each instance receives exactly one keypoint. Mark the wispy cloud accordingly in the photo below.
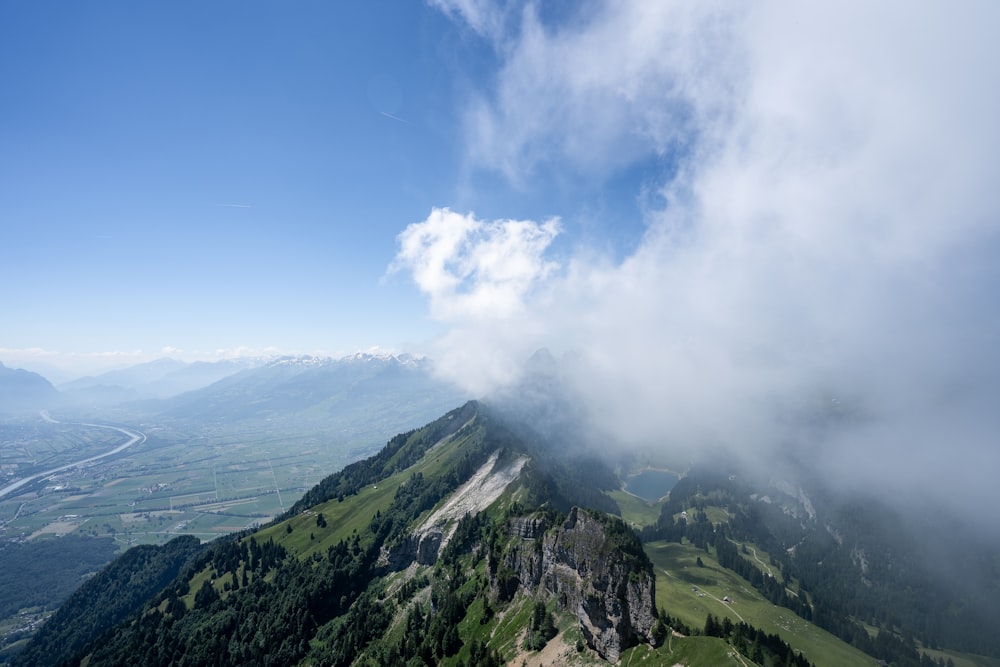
(396, 118)
(629, 80)
(830, 226)
(487, 18)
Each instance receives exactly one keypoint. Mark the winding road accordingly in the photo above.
(134, 437)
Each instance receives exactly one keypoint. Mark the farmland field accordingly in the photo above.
(174, 482)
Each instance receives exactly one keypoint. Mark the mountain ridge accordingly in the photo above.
(430, 465)
(375, 565)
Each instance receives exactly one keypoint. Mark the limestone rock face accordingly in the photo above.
(528, 528)
(592, 569)
(428, 545)
(422, 547)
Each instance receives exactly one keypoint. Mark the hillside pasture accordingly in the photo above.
(690, 593)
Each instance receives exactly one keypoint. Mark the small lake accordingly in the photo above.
(651, 484)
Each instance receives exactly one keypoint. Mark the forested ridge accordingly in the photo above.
(856, 571)
(24, 564)
(121, 589)
(243, 601)
(271, 596)
(271, 604)
(400, 452)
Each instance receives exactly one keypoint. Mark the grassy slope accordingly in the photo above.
(673, 593)
(343, 518)
(686, 651)
(964, 659)
(354, 513)
(635, 510)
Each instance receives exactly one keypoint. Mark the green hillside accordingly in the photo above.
(468, 543)
(852, 572)
(692, 592)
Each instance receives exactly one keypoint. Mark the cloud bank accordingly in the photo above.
(826, 243)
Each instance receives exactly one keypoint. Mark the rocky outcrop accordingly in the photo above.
(528, 528)
(422, 547)
(428, 545)
(593, 566)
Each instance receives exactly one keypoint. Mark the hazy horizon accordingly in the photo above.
(70, 366)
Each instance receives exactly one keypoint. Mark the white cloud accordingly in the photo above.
(485, 17)
(474, 268)
(831, 227)
(634, 79)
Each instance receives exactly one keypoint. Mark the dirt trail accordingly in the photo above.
(766, 567)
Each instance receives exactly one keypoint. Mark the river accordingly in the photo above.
(134, 437)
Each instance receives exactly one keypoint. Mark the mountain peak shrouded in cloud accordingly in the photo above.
(826, 226)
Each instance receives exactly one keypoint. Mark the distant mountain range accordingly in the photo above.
(358, 398)
(161, 378)
(365, 396)
(24, 391)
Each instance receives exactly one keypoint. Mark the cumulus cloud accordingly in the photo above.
(472, 268)
(479, 275)
(828, 236)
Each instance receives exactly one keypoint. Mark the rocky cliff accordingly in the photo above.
(592, 565)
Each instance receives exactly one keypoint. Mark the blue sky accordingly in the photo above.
(210, 176)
